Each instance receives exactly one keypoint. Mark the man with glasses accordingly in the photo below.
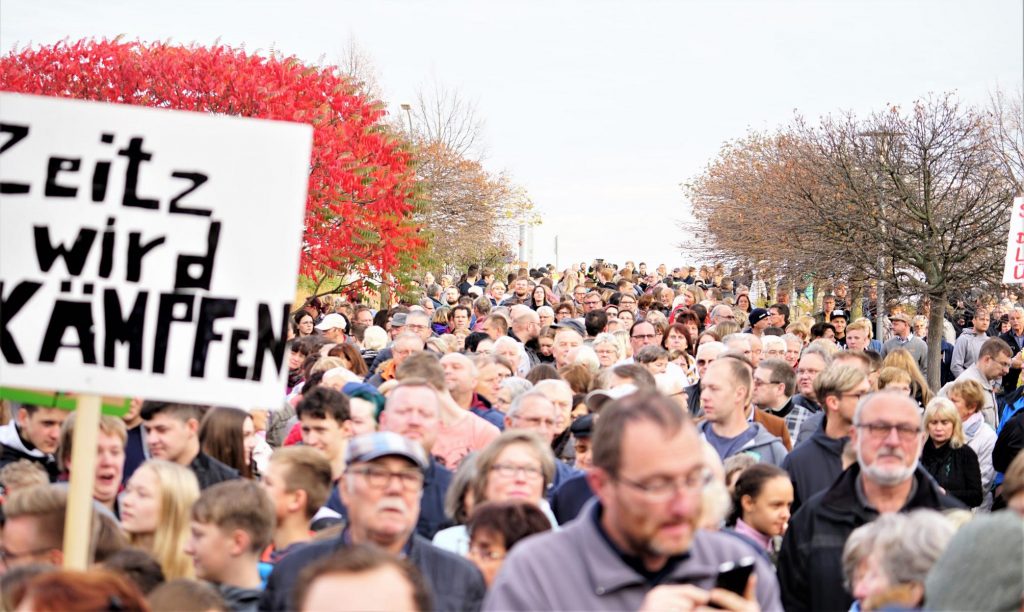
(627, 302)
(637, 545)
(817, 462)
(813, 362)
(994, 359)
(774, 384)
(888, 437)
(720, 313)
(578, 295)
(381, 488)
(642, 334)
(592, 301)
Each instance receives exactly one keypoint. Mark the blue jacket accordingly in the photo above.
(569, 498)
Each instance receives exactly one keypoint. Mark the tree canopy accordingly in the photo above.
(359, 214)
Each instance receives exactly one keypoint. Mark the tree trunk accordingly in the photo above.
(935, 318)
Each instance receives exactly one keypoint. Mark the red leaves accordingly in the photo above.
(359, 210)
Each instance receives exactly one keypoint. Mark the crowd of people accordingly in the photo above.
(604, 437)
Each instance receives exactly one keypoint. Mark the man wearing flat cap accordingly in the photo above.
(902, 338)
(381, 488)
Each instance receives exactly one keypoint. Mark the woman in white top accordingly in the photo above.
(969, 397)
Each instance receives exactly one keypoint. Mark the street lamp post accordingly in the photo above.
(879, 326)
(408, 113)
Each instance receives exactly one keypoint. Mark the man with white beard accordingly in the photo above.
(888, 437)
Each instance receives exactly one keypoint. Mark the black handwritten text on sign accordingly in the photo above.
(147, 252)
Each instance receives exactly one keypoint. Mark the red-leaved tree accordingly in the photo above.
(358, 222)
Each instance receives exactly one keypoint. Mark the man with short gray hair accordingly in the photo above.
(888, 437)
(722, 312)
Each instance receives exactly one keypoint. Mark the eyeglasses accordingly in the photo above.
(379, 478)
(662, 488)
(645, 336)
(535, 421)
(508, 470)
(7, 557)
(484, 553)
(880, 430)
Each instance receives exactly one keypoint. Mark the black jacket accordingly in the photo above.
(454, 582)
(956, 470)
(693, 400)
(209, 471)
(15, 449)
(569, 498)
(1010, 380)
(810, 561)
(238, 599)
(1009, 443)
(814, 465)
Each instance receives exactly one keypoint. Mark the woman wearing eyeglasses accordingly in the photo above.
(496, 527)
(517, 465)
(946, 456)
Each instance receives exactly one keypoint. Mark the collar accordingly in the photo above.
(783, 410)
(972, 423)
(743, 528)
(611, 568)
(862, 497)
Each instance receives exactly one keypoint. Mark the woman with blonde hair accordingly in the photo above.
(946, 456)
(156, 510)
(895, 379)
(800, 330)
(901, 358)
(969, 397)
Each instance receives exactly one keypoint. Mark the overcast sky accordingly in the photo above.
(600, 109)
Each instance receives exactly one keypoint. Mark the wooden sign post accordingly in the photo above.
(78, 518)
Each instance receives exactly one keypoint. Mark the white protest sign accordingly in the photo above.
(148, 252)
(1013, 266)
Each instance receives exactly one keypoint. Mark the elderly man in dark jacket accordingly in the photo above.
(888, 437)
(381, 487)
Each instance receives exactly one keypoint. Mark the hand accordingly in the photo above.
(727, 600)
(686, 597)
(675, 597)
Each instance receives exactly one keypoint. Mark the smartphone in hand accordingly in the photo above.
(734, 575)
